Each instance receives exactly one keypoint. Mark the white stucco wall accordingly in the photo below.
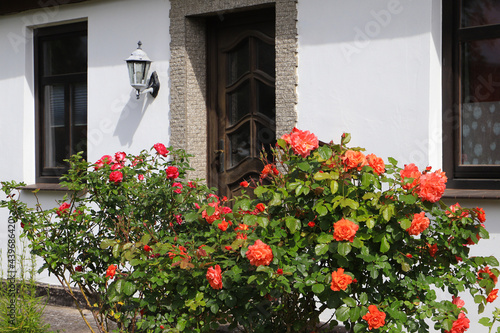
(372, 68)
(117, 121)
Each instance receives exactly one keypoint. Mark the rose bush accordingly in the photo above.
(325, 227)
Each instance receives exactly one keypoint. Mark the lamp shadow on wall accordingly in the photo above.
(131, 117)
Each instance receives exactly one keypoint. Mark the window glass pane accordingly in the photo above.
(238, 103)
(266, 58)
(480, 12)
(480, 112)
(240, 145)
(79, 109)
(65, 55)
(55, 140)
(238, 62)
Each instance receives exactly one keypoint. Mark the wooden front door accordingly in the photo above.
(241, 96)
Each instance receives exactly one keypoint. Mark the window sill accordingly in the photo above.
(471, 194)
(45, 187)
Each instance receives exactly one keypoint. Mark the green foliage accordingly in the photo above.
(165, 241)
(28, 308)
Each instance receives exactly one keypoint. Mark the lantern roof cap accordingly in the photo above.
(138, 55)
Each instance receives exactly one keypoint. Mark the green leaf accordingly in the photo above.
(408, 199)
(478, 299)
(145, 238)
(325, 238)
(325, 152)
(342, 314)
(354, 314)
(393, 161)
(492, 261)
(344, 248)
(318, 288)
(260, 190)
(447, 324)
(321, 249)
(357, 243)
(349, 301)
(363, 298)
(251, 279)
(485, 321)
(214, 308)
(107, 243)
(387, 212)
(384, 245)
(334, 186)
(129, 288)
(276, 201)
(370, 223)
(346, 138)
(263, 221)
(322, 176)
(293, 224)
(304, 166)
(191, 217)
(405, 224)
(321, 210)
(116, 250)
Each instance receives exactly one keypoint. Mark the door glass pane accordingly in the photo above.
(266, 138)
(55, 139)
(238, 62)
(65, 55)
(79, 108)
(266, 100)
(238, 103)
(240, 145)
(266, 57)
(480, 112)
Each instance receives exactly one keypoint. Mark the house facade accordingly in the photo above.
(413, 80)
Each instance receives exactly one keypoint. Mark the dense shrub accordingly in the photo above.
(326, 227)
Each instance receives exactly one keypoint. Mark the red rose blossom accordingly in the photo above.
(214, 277)
(147, 248)
(120, 156)
(279, 271)
(63, 209)
(354, 160)
(106, 159)
(244, 183)
(172, 172)
(260, 207)
(161, 149)
(116, 177)
(111, 271)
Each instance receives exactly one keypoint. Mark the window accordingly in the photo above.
(471, 93)
(60, 55)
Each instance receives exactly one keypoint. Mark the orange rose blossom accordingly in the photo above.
(259, 254)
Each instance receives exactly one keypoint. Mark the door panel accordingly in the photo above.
(241, 96)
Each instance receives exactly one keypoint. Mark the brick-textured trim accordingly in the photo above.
(188, 120)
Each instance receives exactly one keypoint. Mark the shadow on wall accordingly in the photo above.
(131, 116)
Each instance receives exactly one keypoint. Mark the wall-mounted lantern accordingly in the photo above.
(138, 67)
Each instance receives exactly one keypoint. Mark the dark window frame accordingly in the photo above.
(460, 177)
(41, 35)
